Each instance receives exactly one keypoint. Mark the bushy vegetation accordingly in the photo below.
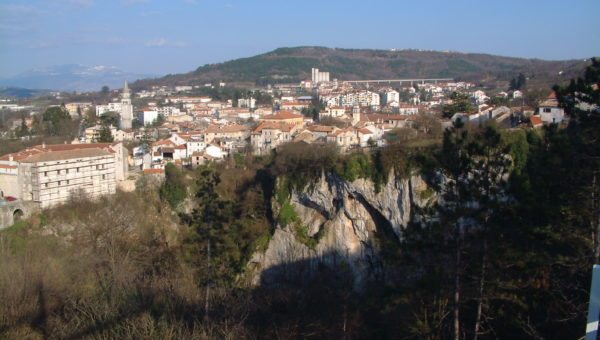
(356, 166)
(173, 190)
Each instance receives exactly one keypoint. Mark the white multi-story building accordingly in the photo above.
(167, 111)
(353, 98)
(391, 97)
(319, 77)
(51, 174)
(183, 88)
(147, 117)
(110, 107)
(76, 109)
(249, 103)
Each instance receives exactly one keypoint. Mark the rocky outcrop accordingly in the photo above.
(340, 225)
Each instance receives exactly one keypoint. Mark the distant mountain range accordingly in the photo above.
(71, 77)
(17, 92)
(286, 65)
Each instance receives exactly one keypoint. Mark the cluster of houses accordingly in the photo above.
(190, 130)
(197, 129)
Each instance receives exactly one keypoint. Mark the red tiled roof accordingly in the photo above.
(231, 128)
(321, 128)
(385, 117)
(154, 171)
(293, 104)
(273, 126)
(536, 120)
(165, 142)
(283, 115)
(21, 155)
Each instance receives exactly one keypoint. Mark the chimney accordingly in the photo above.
(43, 145)
(10, 157)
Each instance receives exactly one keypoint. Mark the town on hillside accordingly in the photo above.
(96, 143)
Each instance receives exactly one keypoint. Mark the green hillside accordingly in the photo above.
(285, 65)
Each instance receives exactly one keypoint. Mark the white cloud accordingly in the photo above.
(156, 42)
(162, 42)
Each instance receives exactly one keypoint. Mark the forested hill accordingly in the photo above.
(294, 64)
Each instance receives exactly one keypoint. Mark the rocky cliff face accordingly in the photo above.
(340, 225)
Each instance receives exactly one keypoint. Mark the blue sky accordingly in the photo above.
(160, 37)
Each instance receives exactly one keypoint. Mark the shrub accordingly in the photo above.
(287, 214)
(356, 166)
(173, 190)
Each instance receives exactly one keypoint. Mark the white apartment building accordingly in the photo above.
(249, 103)
(318, 76)
(147, 117)
(391, 96)
(75, 109)
(353, 98)
(92, 134)
(51, 174)
(110, 107)
(167, 111)
(183, 88)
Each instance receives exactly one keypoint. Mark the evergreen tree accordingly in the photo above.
(518, 82)
(54, 119)
(460, 103)
(581, 101)
(105, 135)
(173, 189)
(22, 130)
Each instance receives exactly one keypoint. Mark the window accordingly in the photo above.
(45, 185)
(547, 110)
(103, 176)
(45, 173)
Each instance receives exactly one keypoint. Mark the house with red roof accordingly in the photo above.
(283, 116)
(269, 135)
(550, 111)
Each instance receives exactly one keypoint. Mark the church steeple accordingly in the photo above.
(126, 108)
(126, 94)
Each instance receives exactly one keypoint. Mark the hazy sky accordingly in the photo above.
(159, 37)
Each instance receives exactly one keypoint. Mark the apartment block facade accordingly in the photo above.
(51, 174)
